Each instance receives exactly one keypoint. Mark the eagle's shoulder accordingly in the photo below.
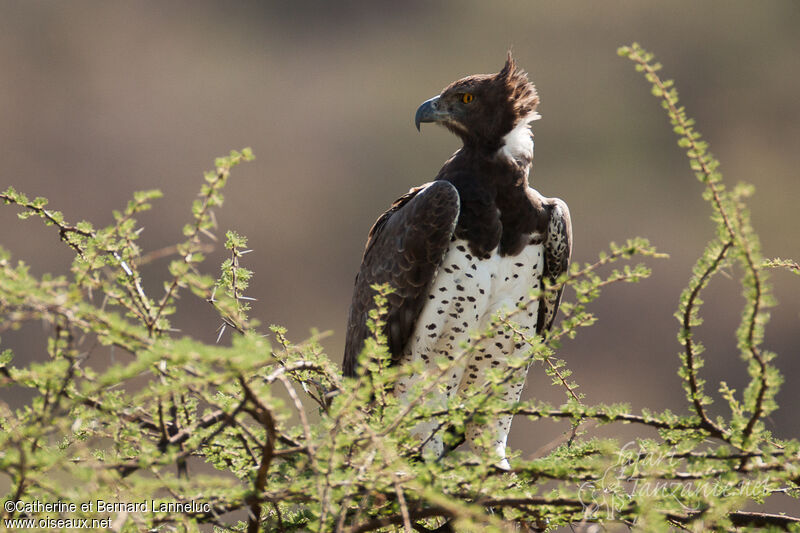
(396, 205)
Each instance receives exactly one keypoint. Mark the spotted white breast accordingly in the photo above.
(466, 293)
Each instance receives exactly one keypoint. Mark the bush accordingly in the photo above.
(114, 446)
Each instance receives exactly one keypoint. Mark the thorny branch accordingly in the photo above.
(264, 417)
(696, 394)
(733, 222)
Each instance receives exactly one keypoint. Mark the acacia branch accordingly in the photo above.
(139, 304)
(264, 416)
(738, 518)
(744, 519)
(415, 514)
(694, 387)
(734, 223)
(192, 243)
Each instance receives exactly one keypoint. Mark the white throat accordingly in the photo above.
(518, 143)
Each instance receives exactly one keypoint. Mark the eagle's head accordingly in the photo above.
(483, 108)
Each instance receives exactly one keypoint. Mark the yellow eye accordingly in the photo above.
(467, 98)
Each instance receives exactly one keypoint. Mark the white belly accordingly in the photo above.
(466, 293)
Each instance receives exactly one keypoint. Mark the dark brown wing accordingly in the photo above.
(557, 252)
(405, 247)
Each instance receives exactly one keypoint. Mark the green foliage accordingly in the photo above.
(272, 429)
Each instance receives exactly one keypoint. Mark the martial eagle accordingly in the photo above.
(456, 250)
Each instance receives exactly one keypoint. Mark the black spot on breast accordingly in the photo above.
(481, 291)
(471, 298)
(431, 326)
(518, 264)
(459, 287)
(461, 248)
(442, 289)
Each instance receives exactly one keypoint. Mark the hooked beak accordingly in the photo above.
(429, 112)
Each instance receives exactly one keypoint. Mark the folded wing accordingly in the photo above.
(404, 249)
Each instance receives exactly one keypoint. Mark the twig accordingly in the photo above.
(689, 345)
(415, 514)
(401, 499)
(264, 416)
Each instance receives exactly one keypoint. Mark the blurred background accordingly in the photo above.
(100, 99)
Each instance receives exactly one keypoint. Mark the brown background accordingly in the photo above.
(101, 99)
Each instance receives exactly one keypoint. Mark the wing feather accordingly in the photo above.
(405, 247)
